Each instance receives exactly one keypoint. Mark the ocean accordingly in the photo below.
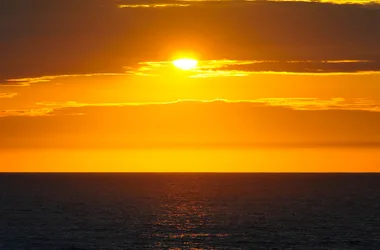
(189, 211)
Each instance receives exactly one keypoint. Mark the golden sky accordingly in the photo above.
(278, 86)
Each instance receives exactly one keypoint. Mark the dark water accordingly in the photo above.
(199, 211)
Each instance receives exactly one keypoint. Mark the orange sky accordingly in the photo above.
(272, 96)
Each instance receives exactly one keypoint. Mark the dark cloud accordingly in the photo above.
(65, 37)
(220, 68)
(309, 66)
(223, 68)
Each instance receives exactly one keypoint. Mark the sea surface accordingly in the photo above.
(189, 211)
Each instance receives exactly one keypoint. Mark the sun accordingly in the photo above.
(185, 63)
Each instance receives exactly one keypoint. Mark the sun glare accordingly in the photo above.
(185, 63)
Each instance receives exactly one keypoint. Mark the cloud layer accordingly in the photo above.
(187, 3)
(309, 104)
(43, 43)
(99, 37)
(219, 68)
(231, 124)
(225, 68)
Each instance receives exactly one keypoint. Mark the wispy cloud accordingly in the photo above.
(225, 67)
(164, 5)
(17, 82)
(28, 81)
(301, 104)
(360, 104)
(8, 95)
(338, 103)
(28, 112)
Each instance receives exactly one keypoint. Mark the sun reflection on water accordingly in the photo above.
(187, 217)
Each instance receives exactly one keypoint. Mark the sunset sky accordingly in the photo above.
(279, 85)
